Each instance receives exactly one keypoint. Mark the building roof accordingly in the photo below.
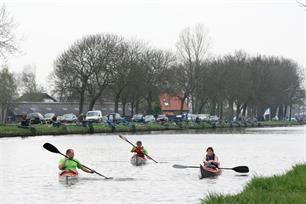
(36, 97)
(59, 108)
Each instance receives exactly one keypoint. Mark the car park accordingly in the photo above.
(48, 117)
(149, 118)
(35, 118)
(162, 118)
(94, 116)
(137, 118)
(69, 118)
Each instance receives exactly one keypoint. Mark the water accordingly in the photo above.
(28, 173)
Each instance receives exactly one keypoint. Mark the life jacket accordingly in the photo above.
(213, 164)
(212, 157)
(139, 151)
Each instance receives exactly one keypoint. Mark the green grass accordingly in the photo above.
(284, 189)
(279, 123)
(8, 130)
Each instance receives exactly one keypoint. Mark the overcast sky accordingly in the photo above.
(47, 28)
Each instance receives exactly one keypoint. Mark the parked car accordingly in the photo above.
(94, 116)
(162, 118)
(192, 117)
(137, 118)
(35, 118)
(48, 117)
(213, 118)
(114, 117)
(178, 118)
(149, 118)
(203, 117)
(69, 118)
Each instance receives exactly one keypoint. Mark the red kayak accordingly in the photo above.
(208, 172)
(68, 176)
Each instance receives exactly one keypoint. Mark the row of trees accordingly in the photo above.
(244, 86)
(8, 86)
(107, 64)
(131, 72)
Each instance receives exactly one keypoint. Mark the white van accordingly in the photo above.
(95, 116)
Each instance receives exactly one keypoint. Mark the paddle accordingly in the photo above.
(240, 169)
(53, 149)
(125, 139)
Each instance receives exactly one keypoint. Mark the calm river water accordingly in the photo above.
(29, 174)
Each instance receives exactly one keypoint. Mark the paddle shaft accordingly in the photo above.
(240, 169)
(135, 147)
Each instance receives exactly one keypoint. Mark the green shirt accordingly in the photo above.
(70, 165)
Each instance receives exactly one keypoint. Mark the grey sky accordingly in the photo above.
(49, 27)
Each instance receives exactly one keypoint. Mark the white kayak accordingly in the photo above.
(138, 161)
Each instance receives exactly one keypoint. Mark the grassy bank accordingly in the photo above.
(8, 130)
(288, 188)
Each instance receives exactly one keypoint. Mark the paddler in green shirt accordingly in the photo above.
(70, 164)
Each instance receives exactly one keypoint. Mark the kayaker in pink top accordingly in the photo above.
(211, 160)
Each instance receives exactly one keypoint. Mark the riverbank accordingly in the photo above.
(284, 189)
(11, 130)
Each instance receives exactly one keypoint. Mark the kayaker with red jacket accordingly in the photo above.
(211, 160)
(140, 150)
(67, 164)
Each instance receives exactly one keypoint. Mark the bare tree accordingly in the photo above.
(105, 64)
(192, 47)
(156, 64)
(8, 91)
(28, 83)
(7, 36)
(73, 69)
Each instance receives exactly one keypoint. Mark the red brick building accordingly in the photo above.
(171, 105)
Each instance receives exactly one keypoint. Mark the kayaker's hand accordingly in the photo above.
(92, 171)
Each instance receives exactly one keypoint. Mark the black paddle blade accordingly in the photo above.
(241, 169)
(51, 148)
(122, 137)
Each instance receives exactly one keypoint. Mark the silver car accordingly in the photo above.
(149, 118)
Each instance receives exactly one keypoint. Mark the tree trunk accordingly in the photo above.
(149, 103)
(137, 107)
(1, 116)
(221, 110)
(281, 112)
(94, 99)
(238, 110)
(81, 104)
(244, 108)
(123, 108)
(132, 108)
(4, 114)
(116, 100)
(213, 107)
(201, 106)
(231, 110)
(290, 111)
(285, 111)
(182, 104)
